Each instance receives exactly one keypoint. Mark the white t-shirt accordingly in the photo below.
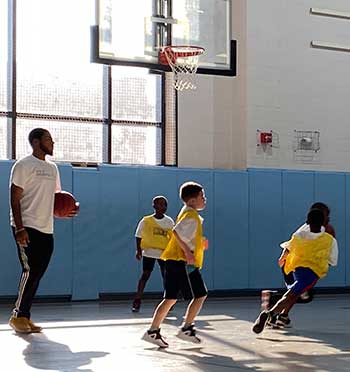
(166, 223)
(186, 229)
(39, 180)
(305, 233)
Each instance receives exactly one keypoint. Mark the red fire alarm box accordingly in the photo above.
(265, 137)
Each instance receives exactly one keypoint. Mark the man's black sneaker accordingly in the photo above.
(261, 321)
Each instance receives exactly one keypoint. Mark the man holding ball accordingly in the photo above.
(34, 180)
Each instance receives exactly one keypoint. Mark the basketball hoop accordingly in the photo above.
(183, 61)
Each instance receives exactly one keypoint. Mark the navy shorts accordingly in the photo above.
(148, 264)
(177, 281)
(304, 278)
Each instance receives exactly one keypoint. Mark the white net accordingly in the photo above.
(183, 61)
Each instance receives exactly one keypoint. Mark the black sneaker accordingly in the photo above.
(136, 305)
(154, 337)
(261, 321)
(189, 334)
(271, 322)
(283, 321)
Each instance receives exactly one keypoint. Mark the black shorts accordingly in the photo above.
(178, 280)
(148, 264)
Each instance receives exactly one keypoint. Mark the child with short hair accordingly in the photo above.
(308, 255)
(152, 236)
(183, 260)
(307, 296)
(269, 298)
(289, 279)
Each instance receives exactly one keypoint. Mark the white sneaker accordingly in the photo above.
(189, 334)
(283, 321)
(154, 337)
(305, 295)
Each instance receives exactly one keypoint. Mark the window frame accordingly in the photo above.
(160, 8)
(107, 121)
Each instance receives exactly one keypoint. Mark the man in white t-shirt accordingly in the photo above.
(34, 181)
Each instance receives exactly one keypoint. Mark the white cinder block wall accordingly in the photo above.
(282, 85)
(212, 119)
(291, 86)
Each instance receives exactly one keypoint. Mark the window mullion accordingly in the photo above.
(107, 113)
(12, 78)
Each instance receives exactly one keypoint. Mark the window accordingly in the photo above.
(74, 141)
(4, 58)
(3, 81)
(135, 142)
(95, 113)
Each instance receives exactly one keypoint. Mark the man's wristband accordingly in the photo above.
(19, 230)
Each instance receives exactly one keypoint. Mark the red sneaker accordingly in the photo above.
(136, 305)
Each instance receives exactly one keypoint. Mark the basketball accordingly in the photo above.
(65, 203)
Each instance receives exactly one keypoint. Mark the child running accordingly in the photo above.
(289, 279)
(306, 296)
(152, 236)
(308, 255)
(183, 259)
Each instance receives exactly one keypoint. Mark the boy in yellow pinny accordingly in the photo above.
(308, 255)
(183, 259)
(152, 236)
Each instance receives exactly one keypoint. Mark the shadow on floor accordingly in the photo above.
(287, 360)
(211, 362)
(43, 353)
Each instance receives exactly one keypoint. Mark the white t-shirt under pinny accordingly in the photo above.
(39, 180)
(186, 229)
(166, 223)
(305, 233)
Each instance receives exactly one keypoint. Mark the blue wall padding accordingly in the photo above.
(231, 231)
(119, 205)
(297, 196)
(265, 227)
(330, 187)
(88, 251)
(9, 266)
(346, 242)
(248, 214)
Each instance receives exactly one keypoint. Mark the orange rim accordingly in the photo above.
(184, 50)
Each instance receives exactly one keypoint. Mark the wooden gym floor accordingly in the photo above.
(103, 337)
